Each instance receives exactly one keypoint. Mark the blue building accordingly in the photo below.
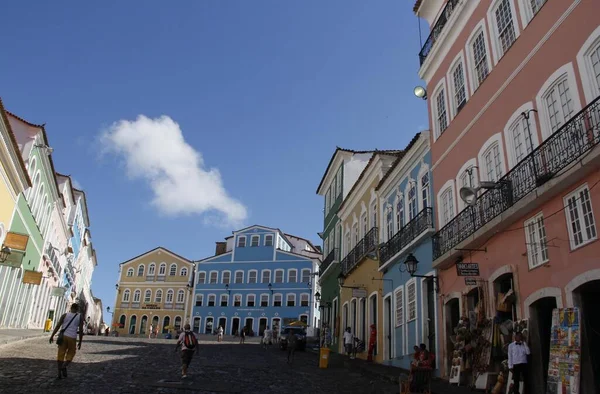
(258, 277)
(409, 302)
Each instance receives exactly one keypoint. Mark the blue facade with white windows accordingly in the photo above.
(409, 302)
(259, 277)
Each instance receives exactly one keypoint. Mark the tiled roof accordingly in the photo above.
(395, 163)
(13, 140)
(417, 5)
(338, 149)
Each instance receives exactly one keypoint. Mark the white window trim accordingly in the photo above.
(590, 87)
(491, 17)
(256, 272)
(273, 300)
(434, 110)
(223, 296)
(448, 185)
(235, 275)
(282, 275)
(395, 305)
(288, 274)
(208, 299)
(287, 297)
(568, 217)
(267, 237)
(252, 238)
(569, 71)
(127, 293)
(182, 273)
(171, 269)
(470, 163)
(238, 241)
(516, 117)
(302, 275)
(526, 224)
(248, 298)
(180, 291)
(172, 292)
(262, 276)
(407, 313)
(260, 299)
(205, 277)
(470, 71)
(143, 270)
(132, 272)
(151, 267)
(460, 58)
(307, 298)
(223, 276)
(138, 291)
(422, 171)
(210, 276)
(146, 292)
(156, 297)
(526, 12)
(241, 300)
(496, 138)
(159, 269)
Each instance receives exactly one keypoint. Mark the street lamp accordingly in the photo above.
(108, 310)
(4, 253)
(270, 288)
(341, 278)
(318, 296)
(420, 92)
(227, 289)
(412, 263)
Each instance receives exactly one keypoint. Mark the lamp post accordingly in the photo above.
(270, 288)
(420, 92)
(341, 278)
(227, 289)
(4, 253)
(526, 117)
(412, 263)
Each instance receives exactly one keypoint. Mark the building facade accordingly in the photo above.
(155, 289)
(514, 107)
(258, 277)
(406, 223)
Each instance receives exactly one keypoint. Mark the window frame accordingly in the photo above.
(223, 296)
(151, 269)
(138, 293)
(262, 276)
(399, 320)
(509, 128)
(287, 300)
(441, 85)
(569, 220)
(235, 276)
(203, 280)
(171, 271)
(412, 282)
(181, 293)
(210, 274)
(458, 60)
(527, 13)
(536, 242)
(591, 88)
(253, 296)
(158, 296)
(399, 213)
(141, 270)
(290, 271)
(261, 300)
(474, 84)
(487, 146)
(199, 300)
(126, 296)
(448, 187)
(307, 295)
(228, 272)
(267, 238)
(162, 268)
(471, 163)
(250, 272)
(252, 243)
(132, 271)
(239, 241)
(183, 271)
(147, 295)
(241, 299)
(496, 43)
(282, 272)
(170, 292)
(214, 300)
(302, 275)
(275, 296)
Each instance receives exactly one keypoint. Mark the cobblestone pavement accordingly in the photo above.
(136, 365)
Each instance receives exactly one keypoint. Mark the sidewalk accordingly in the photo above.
(14, 335)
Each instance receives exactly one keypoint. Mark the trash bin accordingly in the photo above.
(48, 325)
(324, 357)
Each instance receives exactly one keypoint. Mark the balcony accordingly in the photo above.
(362, 248)
(437, 29)
(407, 234)
(334, 255)
(563, 148)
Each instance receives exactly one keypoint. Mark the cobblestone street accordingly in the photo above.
(135, 365)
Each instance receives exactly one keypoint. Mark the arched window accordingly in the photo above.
(178, 323)
(389, 222)
(130, 272)
(224, 300)
(122, 321)
(136, 296)
(132, 323)
(226, 277)
(399, 211)
(141, 270)
(151, 268)
(412, 200)
(126, 295)
(183, 272)
(304, 299)
(491, 159)
(201, 277)
(148, 295)
(425, 189)
(588, 61)
(158, 296)
(279, 276)
(169, 296)
(162, 269)
(180, 296)
(166, 324)
(173, 270)
(440, 109)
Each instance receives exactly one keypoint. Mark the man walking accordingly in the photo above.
(517, 361)
(70, 324)
(189, 344)
(349, 342)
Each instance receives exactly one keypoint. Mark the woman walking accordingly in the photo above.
(70, 324)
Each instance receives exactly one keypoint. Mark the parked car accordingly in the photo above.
(299, 332)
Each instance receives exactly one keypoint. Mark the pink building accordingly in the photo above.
(513, 89)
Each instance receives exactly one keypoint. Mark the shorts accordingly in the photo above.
(348, 347)
(186, 357)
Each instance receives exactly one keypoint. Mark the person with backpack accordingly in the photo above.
(70, 324)
(189, 344)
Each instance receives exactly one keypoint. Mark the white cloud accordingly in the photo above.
(155, 150)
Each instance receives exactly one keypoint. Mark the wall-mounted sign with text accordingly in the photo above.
(467, 269)
(151, 306)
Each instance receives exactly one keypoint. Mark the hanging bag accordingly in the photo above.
(61, 334)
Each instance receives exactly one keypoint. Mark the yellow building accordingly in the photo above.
(362, 284)
(154, 288)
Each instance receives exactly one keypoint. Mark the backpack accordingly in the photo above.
(190, 340)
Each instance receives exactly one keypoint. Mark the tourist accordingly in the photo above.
(70, 324)
(267, 337)
(243, 335)
(517, 361)
(220, 334)
(189, 344)
(348, 342)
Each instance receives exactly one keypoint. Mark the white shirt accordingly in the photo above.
(267, 334)
(71, 331)
(220, 331)
(348, 338)
(517, 354)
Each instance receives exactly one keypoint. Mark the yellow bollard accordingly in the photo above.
(324, 357)
(48, 325)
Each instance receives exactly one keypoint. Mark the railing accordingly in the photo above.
(420, 223)
(574, 139)
(364, 246)
(437, 29)
(331, 257)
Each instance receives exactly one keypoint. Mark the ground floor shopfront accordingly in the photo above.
(136, 322)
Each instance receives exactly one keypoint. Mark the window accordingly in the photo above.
(292, 276)
(224, 299)
(183, 272)
(180, 296)
(459, 89)
(151, 269)
(447, 206)
(213, 277)
(411, 296)
(558, 104)
(226, 277)
(493, 163)
(268, 240)
(158, 296)
(520, 137)
(467, 178)
(339, 182)
(237, 300)
(440, 112)
(136, 296)
(241, 241)
(412, 201)
(425, 189)
(504, 28)
(141, 270)
(250, 300)
(373, 215)
(148, 295)
(126, 295)
(199, 299)
(327, 199)
(479, 57)
(390, 223)
(535, 237)
(169, 299)
(399, 212)
(277, 300)
(365, 224)
(304, 299)
(356, 233)
(580, 217)
(252, 276)
(201, 277)
(291, 300)
(211, 299)
(399, 296)
(529, 8)
(239, 276)
(173, 270)
(162, 269)
(588, 60)
(255, 240)
(266, 276)
(306, 275)
(130, 272)
(278, 276)
(264, 300)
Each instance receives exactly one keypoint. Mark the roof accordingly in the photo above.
(13, 140)
(417, 5)
(338, 149)
(70, 185)
(304, 239)
(364, 171)
(87, 214)
(397, 161)
(155, 249)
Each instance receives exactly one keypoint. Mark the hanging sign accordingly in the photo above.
(58, 292)
(359, 293)
(16, 241)
(467, 269)
(32, 277)
(471, 281)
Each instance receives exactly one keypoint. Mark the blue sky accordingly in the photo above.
(261, 91)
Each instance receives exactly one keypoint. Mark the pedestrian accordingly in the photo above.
(372, 342)
(292, 343)
(70, 324)
(517, 361)
(243, 335)
(267, 337)
(189, 344)
(151, 331)
(220, 334)
(348, 342)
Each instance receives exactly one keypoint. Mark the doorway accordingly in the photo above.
(363, 318)
(208, 326)
(132, 323)
(276, 325)
(223, 323)
(166, 323)
(249, 323)
(429, 335)
(353, 312)
(235, 326)
(155, 323)
(196, 327)
(540, 313)
(143, 325)
(262, 325)
(387, 328)
(452, 317)
(373, 319)
(586, 298)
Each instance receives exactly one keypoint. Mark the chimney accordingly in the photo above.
(221, 248)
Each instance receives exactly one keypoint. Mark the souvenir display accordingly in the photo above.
(565, 350)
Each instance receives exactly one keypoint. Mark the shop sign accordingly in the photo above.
(16, 241)
(467, 269)
(151, 306)
(32, 277)
(58, 292)
(471, 281)
(359, 293)
(14, 259)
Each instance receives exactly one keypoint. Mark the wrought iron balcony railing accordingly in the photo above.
(362, 248)
(437, 29)
(569, 143)
(331, 257)
(420, 223)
